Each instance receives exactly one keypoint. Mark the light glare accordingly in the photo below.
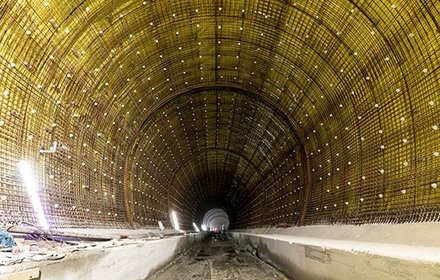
(31, 185)
(175, 221)
(196, 228)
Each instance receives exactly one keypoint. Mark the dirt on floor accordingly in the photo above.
(218, 258)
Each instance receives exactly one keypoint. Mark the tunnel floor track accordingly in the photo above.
(218, 259)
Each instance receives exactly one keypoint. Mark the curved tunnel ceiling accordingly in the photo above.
(218, 145)
(171, 105)
(216, 218)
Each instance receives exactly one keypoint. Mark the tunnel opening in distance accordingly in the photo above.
(215, 219)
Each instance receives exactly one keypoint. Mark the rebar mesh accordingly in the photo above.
(351, 86)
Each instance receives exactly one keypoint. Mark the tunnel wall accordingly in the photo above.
(375, 152)
(358, 82)
(255, 172)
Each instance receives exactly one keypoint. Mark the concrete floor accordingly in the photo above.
(217, 259)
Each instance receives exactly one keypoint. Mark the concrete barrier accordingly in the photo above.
(133, 261)
(302, 257)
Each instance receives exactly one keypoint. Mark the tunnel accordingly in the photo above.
(309, 129)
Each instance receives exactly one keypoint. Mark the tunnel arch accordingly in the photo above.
(210, 97)
(358, 82)
(216, 218)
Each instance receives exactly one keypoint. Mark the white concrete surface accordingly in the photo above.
(414, 253)
(114, 233)
(417, 234)
(136, 260)
(408, 251)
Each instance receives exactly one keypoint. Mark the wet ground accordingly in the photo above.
(218, 259)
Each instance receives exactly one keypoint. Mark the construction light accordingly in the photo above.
(175, 221)
(28, 177)
(196, 228)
